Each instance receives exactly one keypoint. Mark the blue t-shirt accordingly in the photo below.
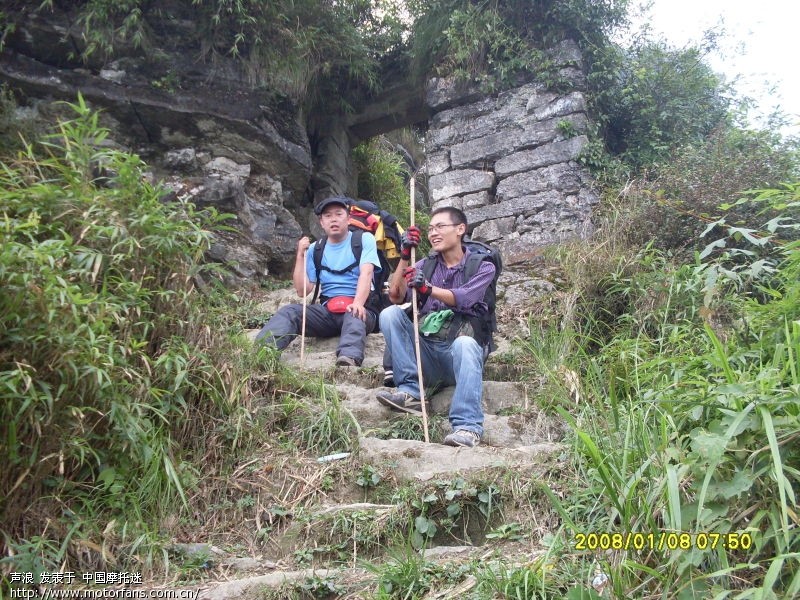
(340, 256)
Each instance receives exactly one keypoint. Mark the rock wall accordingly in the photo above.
(204, 132)
(510, 160)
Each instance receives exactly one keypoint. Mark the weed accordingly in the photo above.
(320, 587)
(108, 367)
(406, 575)
(566, 128)
(409, 427)
(506, 531)
(369, 477)
(698, 376)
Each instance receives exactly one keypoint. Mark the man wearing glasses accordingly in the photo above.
(453, 343)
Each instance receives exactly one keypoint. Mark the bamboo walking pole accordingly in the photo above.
(415, 313)
(303, 325)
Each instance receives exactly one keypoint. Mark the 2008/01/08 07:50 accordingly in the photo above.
(663, 540)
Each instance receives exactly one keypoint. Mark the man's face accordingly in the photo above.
(443, 234)
(334, 220)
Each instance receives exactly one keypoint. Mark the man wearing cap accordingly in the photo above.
(345, 287)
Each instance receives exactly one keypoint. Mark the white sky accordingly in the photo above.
(760, 38)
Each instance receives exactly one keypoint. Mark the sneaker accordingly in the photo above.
(346, 361)
(462, 437)
(388, 378)
(401, 401)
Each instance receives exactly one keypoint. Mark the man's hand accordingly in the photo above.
(410, 239)
(302, 244)
(415, 278)
(358, 310)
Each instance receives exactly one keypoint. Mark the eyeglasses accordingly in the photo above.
(440, 226)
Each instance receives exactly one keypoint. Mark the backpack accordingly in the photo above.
(484, 324)
(365, 215)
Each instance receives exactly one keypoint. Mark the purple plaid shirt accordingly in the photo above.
(467, 295)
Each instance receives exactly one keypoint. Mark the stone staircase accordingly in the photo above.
(518, 438)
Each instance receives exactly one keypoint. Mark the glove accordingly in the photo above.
(410, 239)
(416, 279)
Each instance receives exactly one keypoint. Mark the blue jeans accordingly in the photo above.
(443, 364)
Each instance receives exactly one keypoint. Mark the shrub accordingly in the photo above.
(699, 379)
(383, 172)
(705, 182)
(104, 374)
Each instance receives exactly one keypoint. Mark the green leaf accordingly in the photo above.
(673, 496)
(720, 243)
(417, 541)
(421, 524)
(777, 463)
(107, 477)
(582, 593)
(738, 484)
(748, 235)
(709, 446)
(450, 494)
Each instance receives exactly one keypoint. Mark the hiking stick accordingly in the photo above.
(415, 312)
(305, 301)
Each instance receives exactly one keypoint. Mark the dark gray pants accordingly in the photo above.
(285, 326)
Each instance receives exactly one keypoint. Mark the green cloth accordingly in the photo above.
(434, 321)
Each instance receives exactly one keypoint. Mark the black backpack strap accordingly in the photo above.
(357, 246)
(429, 265)
(319, 248)
(472, 265)
(373, 301)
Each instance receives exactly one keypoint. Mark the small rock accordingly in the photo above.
(112, 75)
(184, 158)
(248, 564)
(228, 167)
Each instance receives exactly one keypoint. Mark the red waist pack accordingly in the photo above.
(338, 304)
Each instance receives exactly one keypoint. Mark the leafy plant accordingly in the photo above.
(698, 377)
(406, 575)
(450, 506)
(382, 176)
(494, 42)
(320, 587)
(324, 424)
(368, 478)
(666, 97)
(506, 531)
(105, 373)
(313, 53)
(708, 181)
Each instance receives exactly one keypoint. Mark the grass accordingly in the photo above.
(687, 416)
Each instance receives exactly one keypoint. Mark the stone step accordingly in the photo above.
(259, 585)
(527, 427)
(320, 353)
(418, 461)
(320, 357)
(251, 587)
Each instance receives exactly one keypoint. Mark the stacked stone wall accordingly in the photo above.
(510, 161)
